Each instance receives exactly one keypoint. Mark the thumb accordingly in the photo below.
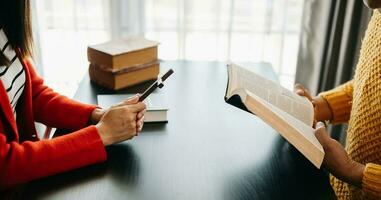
(131, 100)
(321, 133)
(298, 87)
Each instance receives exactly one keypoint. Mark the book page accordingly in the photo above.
(293, 104)
(300, 135)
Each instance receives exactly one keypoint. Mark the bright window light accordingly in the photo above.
(213, 30)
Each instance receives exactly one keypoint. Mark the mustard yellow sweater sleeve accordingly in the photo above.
(371, 181)
(340, 101)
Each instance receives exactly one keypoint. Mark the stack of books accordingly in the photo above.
(123, 63)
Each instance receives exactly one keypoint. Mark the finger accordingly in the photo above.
(298, 86)
(307, 94)
(140, 121)
(314, 123)
(141, 124)
(138, 107)
(132, 100)
(301, 91)
(321, 133)
(139, 128)
(137, 131)
(141, 113)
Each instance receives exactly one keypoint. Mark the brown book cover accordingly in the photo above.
(118, 80)
(126, 69)
(123, 53)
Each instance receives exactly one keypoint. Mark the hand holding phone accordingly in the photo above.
(157, 84)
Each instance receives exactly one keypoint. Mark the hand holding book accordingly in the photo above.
(322, 111)
(288, 113)
(336, 159)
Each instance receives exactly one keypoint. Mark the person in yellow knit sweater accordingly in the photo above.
(356, 171)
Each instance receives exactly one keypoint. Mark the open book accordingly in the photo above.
(288, 113)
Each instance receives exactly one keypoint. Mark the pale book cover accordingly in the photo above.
(157, 107)
(125, 45)
(288, 113)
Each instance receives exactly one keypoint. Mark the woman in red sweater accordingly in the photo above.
(24, 99)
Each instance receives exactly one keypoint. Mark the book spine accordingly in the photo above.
(104, 79)
(126, 69)
(95, 56)
(122, 80)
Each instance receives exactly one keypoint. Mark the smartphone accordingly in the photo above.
(157, 84)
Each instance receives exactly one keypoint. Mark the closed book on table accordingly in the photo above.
(123, 53)
(156, 105)
(123, 78)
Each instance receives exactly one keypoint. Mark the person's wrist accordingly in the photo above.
(356, 174)
(102, 134)
(96, 115)
(324, 112)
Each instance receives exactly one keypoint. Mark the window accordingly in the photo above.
(65, 28)
(236, 30)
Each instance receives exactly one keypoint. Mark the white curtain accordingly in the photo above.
(222, 30)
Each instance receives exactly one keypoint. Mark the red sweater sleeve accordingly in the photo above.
(56, 110)
(31, 160)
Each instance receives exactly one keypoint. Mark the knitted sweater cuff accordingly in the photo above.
(340, 103)
(371, 182)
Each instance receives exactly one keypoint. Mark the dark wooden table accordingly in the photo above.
(208, 150)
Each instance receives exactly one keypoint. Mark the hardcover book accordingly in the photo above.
(156, 105)
(288, 113)
(124, 78)
(123, 53)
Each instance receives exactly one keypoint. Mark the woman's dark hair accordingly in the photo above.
(15, 20)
